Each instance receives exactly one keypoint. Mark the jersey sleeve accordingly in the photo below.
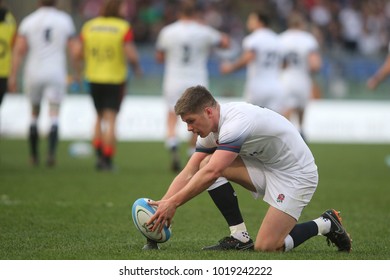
(247, 44)
(161, 40)
(214, 36)
(23, 27)
(129, 35)
(233, 134)
(72, 29)
(206, 145)
(312, 43)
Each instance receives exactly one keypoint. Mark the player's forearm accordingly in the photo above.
(315, 63)
(132, 57)
(17, 58)
(198, 183)
(177, 184)
(383, 72)
(18, 54)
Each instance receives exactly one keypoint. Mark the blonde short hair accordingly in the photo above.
(194, 100)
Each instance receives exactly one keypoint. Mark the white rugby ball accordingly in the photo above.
(141, 213)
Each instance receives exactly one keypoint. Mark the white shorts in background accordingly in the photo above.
(289, 193)
(172, 91)
(53, 91)
(297, 92)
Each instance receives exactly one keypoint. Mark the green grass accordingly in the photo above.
(72, 212)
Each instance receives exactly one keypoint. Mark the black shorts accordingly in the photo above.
(3, 88)
(107, 96)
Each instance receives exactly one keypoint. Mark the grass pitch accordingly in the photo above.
(73, 212)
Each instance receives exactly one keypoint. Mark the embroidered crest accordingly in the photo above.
(280, 198)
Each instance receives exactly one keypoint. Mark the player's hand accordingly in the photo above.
(372, 84)
(226, 68)
(163, 216)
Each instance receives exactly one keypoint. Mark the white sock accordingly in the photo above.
(288, 243)
(34, 121)
(54, 121)
(171, 143)
(323, 225)
(239, 232)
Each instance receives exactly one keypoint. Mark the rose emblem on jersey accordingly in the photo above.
(280, 198)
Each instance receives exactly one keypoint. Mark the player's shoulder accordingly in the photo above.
(235, 107)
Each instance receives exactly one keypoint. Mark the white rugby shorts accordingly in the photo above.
(287, 192)
(54, 91)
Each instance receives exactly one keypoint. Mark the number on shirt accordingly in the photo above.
(48, 35)
(292, 59)
(271, 59)
(186, 54)
(102, 54)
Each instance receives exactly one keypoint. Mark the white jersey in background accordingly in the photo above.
(296, 47)
(187, 46)
(263, 86)
(47, 31)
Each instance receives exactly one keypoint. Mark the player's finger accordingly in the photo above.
(158, 224)
(152, 219)
(153, 203)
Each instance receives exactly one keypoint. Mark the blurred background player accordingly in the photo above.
(184, 46)
(7, 36)
(107, 46)
(302, 60)
(43, 36)
(261, 55)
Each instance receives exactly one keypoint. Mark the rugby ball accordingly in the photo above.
(141, 213)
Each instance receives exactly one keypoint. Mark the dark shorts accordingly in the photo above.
(107, 96)
(3, 88)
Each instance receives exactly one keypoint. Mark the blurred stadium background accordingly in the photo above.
(354, 37)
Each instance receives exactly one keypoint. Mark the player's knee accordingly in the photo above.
(268, 246)
(205, 161)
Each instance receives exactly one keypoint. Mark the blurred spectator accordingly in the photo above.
(90, 8)
(351, 22)
(374, 36)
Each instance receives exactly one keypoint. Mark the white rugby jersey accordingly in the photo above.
(253, 131)
(263, 86)
(264, 42)
(47, 31)
(187, 45)
(266, 67)
(296, 45)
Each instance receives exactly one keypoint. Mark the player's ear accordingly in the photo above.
(209, 111)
